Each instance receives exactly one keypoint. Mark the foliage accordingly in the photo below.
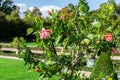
(91, 56)
(13, 17)
(36, 12)
(6, 6)
(63, 32)
(103, 66)
(118, 9)
(80, 35)
(2, 17)
(17, 41)
(67, 12)
(11, 25)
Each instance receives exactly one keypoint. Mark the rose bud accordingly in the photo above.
(108, 37)
(37, 70)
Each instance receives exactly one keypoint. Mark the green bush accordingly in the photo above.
(17, 41)
(103, 67)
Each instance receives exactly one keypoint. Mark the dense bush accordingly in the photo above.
(103, 67)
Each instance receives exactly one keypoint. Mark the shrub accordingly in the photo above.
(17, 41)
(81, 34)
(103, 67)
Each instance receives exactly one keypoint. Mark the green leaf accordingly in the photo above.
(96, 23)
(90, 36)
(42, 77)
(109, 29)
(49, 62)
(29, 31)
(55, 77)
(58, 39)
(66, 43)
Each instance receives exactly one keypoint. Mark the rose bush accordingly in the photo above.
(80, 35)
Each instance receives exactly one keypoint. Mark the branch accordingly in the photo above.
(75, 61)
(53, 47)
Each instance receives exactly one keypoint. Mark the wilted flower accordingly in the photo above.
(62, 17)
(49, 12)
(44, 33)
(97, 41)
(115, 50)
(108, 37)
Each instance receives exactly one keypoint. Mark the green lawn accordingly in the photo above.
(11, 69)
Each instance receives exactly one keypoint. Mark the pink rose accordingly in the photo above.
(44, 33)
(108, 37)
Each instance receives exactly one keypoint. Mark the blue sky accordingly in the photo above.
(45, 5)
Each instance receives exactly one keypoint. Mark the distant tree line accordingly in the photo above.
(11, 25)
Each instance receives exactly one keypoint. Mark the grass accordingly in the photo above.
(11, 69)
(29, 44)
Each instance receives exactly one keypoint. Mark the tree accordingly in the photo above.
(2, 17)
(74, 32)
(6, 6)
(2, 23)
(36, 12)
(13, 17)
(118, 9)
(83, 6)
(67, 12)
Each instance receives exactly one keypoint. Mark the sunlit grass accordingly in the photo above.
(11, 69)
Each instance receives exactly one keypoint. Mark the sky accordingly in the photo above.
(45, 5)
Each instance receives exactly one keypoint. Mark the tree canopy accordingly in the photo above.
(6, 6)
